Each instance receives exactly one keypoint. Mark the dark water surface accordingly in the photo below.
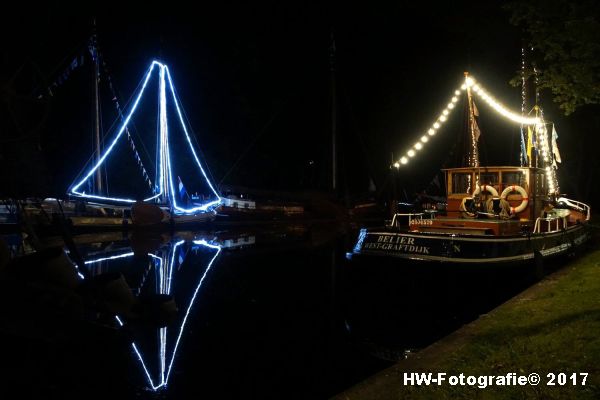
(265, 314)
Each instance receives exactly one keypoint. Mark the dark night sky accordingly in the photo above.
(260, 74)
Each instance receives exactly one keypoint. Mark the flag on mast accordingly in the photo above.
(182, 191)
(476, 130)
(555, 146)
(529, 142)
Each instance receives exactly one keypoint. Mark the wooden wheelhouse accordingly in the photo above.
(462, 182)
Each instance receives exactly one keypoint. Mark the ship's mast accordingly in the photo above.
(473, 152)
(97, 112)
(523, 154)
(333, 115)
(164, 141)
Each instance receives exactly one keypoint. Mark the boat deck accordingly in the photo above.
(493, 227)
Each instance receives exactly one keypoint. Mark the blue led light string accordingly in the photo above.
(203, 207)
(74, 189)
(166, 176)
(93, 152)
(192, 135)
(165, 160)
(124, 255)
(187, 312)
(120, 322)
(165, 278)
(120, 113)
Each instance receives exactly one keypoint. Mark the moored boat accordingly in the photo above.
(502, 215)
(479, 232)
(159, 199)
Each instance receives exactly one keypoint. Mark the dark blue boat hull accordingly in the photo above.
(436, 248)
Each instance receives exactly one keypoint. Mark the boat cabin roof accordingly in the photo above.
(492, 169)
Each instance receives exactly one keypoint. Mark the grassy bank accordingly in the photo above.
(554, 326)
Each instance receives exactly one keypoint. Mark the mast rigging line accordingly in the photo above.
(357, 132)
(76, 50)
(110, 130)
(120, 115)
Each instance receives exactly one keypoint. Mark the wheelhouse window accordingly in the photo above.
(462, 182)
(489, 178)
(513, 178)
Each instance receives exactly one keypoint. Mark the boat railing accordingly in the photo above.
(576, 205)
(552, 224)
(408, 218)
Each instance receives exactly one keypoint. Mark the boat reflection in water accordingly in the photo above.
(164, 281)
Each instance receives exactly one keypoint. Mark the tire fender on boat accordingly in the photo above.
(524, 198)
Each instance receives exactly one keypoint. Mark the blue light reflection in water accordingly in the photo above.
(167, 263)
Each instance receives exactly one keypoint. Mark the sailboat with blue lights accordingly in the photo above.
(117, 187)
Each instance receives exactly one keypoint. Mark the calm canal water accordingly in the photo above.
(265, 314)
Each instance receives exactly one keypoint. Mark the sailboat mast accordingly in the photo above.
(473, 154)
(165, 160)
(333, 114)
(97, 112)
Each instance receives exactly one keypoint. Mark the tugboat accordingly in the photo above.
(502, 215)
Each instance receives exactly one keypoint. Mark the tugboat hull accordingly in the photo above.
(467, 249)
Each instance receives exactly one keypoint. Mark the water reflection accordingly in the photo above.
(172, 270)
(231, 314)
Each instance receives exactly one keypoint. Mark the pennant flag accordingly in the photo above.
(92, 50)
(181, 256)
(476, 131)
(529, 142)
(182, 191)
(475, 110)
(523, 148)
(555, 146)
(64, 76)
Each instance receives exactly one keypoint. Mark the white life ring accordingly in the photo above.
(485, 188)
(524, 198)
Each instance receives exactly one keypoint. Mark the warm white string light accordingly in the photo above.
(542, 135)
(443, 117)
(500, 109)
